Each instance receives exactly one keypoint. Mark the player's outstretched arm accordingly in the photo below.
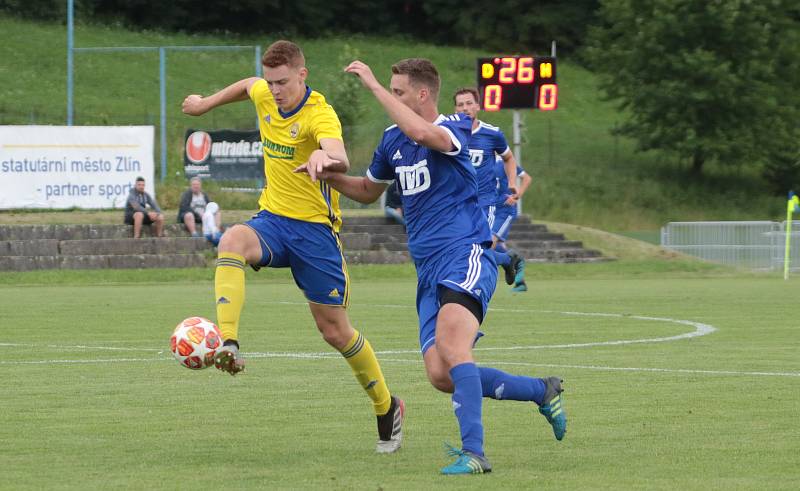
(331, 157)
(197, 105)
(360, 189)
(410, 123)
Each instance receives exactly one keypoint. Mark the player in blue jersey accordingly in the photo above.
(427, 154)
(486, 142)
(505, 211)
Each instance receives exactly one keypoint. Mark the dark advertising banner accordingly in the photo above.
(223, 155)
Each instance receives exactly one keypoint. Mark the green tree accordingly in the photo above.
(710, 80)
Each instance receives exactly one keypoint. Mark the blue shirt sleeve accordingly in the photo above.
(460, 128)
(500, 143)
(520, 170)
(380, 170)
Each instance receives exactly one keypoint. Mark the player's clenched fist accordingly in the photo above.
(364, 73)
(193, 105)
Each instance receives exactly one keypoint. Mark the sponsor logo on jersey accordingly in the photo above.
(476, 157)
(276, 150)
(415, 178)
(397, 155)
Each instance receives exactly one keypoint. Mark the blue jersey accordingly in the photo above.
(439, 190)
(486, 142)
(502, 181)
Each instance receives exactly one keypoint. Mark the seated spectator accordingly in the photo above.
(137, 213)
(192, 210)
(392, 206)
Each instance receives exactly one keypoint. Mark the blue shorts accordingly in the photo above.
(465, 269)
(313, 252)
(504, 216)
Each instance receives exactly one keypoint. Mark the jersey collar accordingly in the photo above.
(478, 128)
(299, 106)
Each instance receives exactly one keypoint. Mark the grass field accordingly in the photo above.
(92, 399)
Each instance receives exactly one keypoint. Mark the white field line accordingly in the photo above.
(307, 356)
(700, 329)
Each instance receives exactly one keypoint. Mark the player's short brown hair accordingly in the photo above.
(466, 90)
(420, 72)
(283, 53)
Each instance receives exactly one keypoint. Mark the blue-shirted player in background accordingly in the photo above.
(485, 143)
(448, 238)
(505, 212)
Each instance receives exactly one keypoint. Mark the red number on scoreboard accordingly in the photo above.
(508, 70)
(525, 73)
(492, 98)
(548, 97)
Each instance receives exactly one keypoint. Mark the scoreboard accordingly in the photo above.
(517, 82)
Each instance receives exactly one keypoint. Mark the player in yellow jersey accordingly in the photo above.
(298, 222)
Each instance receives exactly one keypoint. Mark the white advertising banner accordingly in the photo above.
(73, 166)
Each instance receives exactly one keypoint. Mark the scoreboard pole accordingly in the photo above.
(517, 136)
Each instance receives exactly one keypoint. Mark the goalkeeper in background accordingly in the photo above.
(298, 222)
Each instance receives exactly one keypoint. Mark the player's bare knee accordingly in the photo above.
(232, 240)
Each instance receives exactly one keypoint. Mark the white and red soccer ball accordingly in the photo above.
(194, 342)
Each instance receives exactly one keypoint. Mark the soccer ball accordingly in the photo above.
(194, 342)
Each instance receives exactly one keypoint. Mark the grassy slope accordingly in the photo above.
(582, 174)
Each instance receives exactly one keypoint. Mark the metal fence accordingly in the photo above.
(757, 245)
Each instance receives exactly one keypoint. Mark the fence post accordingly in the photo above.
(162, 77)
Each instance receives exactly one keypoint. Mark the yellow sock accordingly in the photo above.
(362, 360)
(229, 292)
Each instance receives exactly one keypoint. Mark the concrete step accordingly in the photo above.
(42, 247)
(552, 255)
(372, 220)
(376, 257)
(569, 260)
(374, 229)
(388, 238)
(361, 241)
(391, 246)
(82, 232)
(516, 236)
(528, 227)
(30, 263)
(547, 244)
(121, 247)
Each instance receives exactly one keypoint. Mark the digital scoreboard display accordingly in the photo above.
(517, 82)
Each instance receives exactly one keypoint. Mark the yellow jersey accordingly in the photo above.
(288, 140)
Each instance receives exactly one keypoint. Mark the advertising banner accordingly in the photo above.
(223, 155)
(73, 166)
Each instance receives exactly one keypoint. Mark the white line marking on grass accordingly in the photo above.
(317, 356)
(77, 346)
(700, 329)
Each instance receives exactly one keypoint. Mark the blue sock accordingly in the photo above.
(501, 258)
(498, 384)
(467, 401)
(500, 247)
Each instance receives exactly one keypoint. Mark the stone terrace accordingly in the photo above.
(365, 239)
